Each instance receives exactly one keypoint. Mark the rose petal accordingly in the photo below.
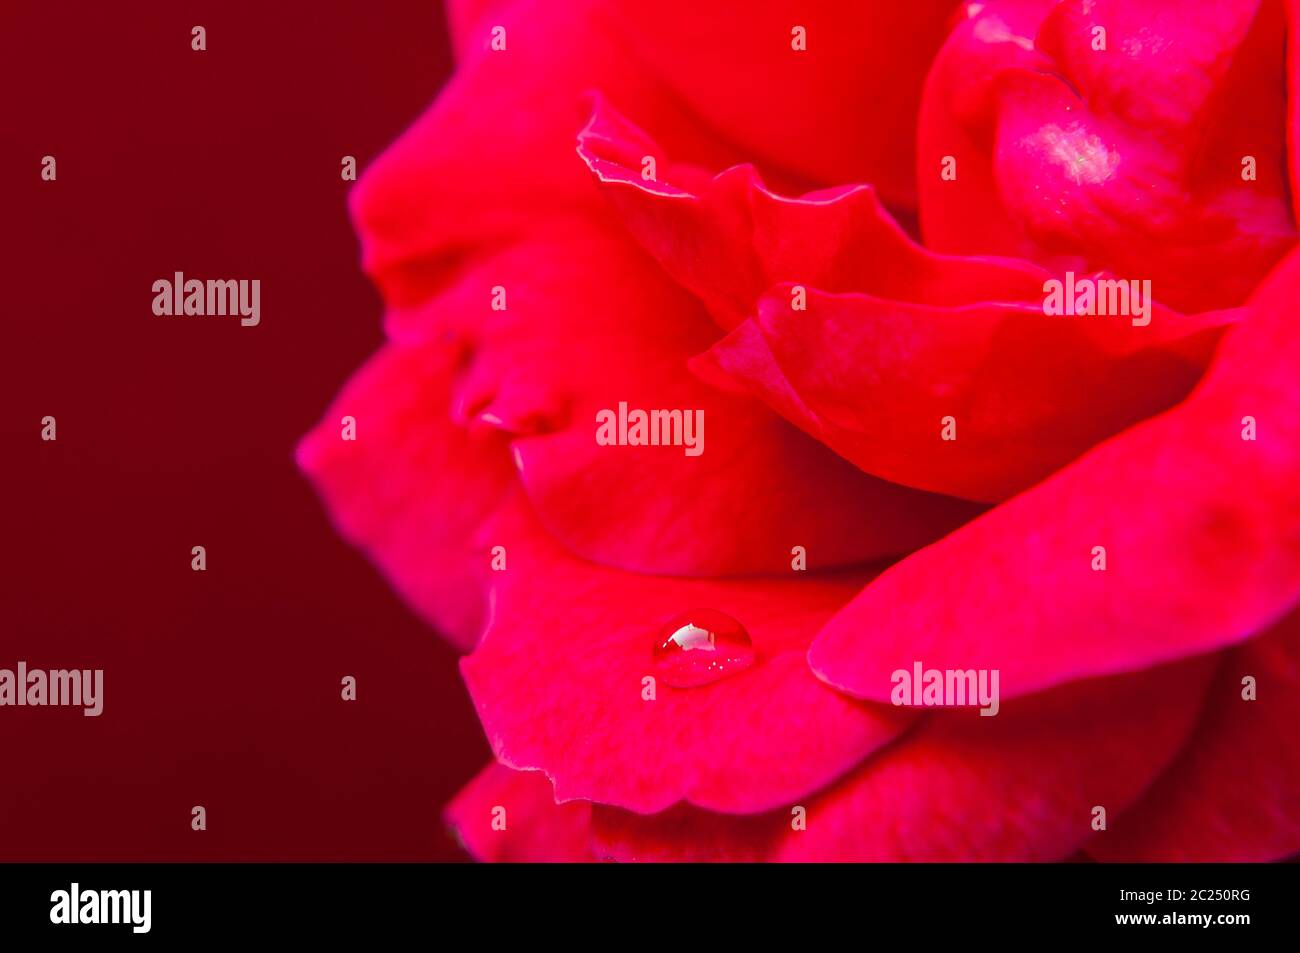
(685, 834)
(467, 26)
(728, 237)
(955, 175)
(1234, 793)
(1020, 786)
(494, 154)
(734, 63)
(1127, 159)
(536, 829)
(1201, 530)
(493, 158)
(872, 375)
(875, 380)
(412, 488)
(574, 341)
(1293, 113)
(558, 683)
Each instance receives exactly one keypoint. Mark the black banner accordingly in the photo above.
(146, 903)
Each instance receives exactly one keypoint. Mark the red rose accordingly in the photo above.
(877, 441)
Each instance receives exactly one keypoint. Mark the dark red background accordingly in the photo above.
(221, 688)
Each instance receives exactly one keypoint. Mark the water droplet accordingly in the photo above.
(701, 646)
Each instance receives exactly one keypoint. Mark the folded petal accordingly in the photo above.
(877, 381)
(560, 683)
(493, 156)
(411, 488)
(873, 374)
(1234, 792)
(1019, 786)
(728, 238)
(1179, 536)
(505, 816)
(961, 209)
(843, 109)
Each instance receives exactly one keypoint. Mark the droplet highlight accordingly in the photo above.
(700, 647)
